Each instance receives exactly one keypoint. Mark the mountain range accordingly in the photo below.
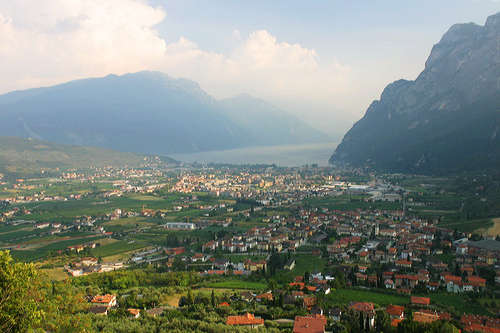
(148, 113)
(447, 120)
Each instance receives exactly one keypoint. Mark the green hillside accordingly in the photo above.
(27, 156)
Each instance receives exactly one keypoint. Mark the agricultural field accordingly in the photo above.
(236, 284)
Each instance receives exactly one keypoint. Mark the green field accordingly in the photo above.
(454, 303)
(41, 252)
(117, 248)
(308, 263)
(467, 226)
(345, 296)
(237, 284)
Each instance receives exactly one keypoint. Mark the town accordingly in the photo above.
(308, 249)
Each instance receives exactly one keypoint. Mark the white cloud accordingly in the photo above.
(52, 41)
(44, 42)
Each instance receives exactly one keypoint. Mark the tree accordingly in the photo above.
(212, 298)
(20, 296)
(306, 276)
(382, 321)
(190, 298)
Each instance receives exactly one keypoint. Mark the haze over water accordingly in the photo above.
(285, 155)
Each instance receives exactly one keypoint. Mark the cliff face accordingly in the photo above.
(448, 119)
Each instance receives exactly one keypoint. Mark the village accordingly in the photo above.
(294, 238)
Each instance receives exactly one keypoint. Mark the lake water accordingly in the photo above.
(287, 155)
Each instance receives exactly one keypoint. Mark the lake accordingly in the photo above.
(286, 155)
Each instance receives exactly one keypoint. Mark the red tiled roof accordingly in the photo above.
(420, 300)
(395, 310)
(395, 322)
(268, 296)
(246, 319)
(309, 324)
(134, 312)
(453, 278)
(103, 298)
(477, 281)
(309, 301)
(362, 307)
(423, 317)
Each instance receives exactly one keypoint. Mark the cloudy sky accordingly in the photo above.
(323, 60)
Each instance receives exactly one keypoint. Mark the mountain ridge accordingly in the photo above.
(416, 126)
(145, 112)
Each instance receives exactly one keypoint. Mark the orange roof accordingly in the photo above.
(395, 322)
(103, 298)
(134, 312)
(362, 306)
(395, 310)
(423, 317)
(246, 319)
(309, 324)
(476, 281)
(420, 300)
(223, 304)
(268, 296)
(309, 301)
(311, 288)
(452, 278)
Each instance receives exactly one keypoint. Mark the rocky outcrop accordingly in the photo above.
(443, 121)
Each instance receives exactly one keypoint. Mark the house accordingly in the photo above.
(453, 283)
(309, 302)
(389, 284)
(104, 300)
(425, 317)
(335, 314)
(267, 296)
(290, 264)
(134, 313)
(396, 311)
(309, 324)
(367, 309)
(403, 263)
(154, 312)
(198, 257)
(99, 310)
(420, 300)
(476, 282)
(247, 296)
(247, 320)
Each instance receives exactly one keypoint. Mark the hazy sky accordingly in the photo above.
(322, 60)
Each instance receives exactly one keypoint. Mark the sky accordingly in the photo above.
(322, 60)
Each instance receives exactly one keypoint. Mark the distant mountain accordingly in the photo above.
(28, 156)
(145, 112)
(447, 120)
(266, 123)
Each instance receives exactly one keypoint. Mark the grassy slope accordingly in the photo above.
(20, 156)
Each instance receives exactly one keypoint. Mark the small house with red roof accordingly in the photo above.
(247, 320)
(309, 324)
